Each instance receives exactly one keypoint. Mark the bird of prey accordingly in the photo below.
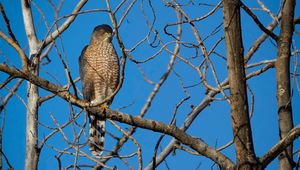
(99, 72)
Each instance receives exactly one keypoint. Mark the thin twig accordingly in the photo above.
(259, 24)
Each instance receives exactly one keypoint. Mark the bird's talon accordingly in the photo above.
(104, 107)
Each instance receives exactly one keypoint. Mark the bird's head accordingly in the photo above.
(102, 33)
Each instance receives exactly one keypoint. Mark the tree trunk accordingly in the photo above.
(245, 155)
(32, 151)
(283, 81)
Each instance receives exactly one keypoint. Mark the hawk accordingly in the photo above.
(99, 73)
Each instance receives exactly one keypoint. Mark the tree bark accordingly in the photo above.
(283, 82)
(32, 151)
(245, 155)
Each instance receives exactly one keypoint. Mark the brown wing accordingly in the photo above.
(87, 84)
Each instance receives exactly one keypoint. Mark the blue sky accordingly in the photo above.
(213, 125)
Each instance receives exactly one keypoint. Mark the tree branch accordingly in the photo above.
(10, 94)
(280, 146)
(66, 24)
(245, 155)
(12, 43)
(58, 90)
(33, 41)
(283, 84)
(6, 20)
(258, 42)
(258, 23)
(172, 130)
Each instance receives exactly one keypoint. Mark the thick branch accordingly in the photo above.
(58, 90)
(32, 152)
(245, 154)
(29, 27)
(280, 146)
(171, 130)
(283, 81)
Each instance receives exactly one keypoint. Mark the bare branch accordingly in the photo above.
(280, 146)
(5, 157)
(33, 41)
(9, 79)
(245, 155)
(12, 43)
(10, 94)
(44, 84)
(259, 24)
(171, 130)
(6, 20)
(66, 24)
(260, 40)
(283, 87)
(139, 149)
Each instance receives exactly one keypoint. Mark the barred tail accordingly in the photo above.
(96, 135)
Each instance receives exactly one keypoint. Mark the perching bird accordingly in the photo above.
(99, 73)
